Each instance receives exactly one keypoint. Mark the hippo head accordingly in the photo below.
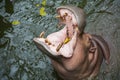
(74, 53)
(63, 42)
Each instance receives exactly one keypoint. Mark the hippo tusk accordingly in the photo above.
(58, 16)
(59, 46)
(42, 34)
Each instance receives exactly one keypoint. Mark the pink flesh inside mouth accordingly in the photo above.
(64, 41)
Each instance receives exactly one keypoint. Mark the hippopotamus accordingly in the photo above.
(75, 55)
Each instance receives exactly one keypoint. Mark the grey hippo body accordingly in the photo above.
(88, 51)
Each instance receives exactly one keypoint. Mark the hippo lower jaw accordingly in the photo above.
(63, 41)
(57, 47)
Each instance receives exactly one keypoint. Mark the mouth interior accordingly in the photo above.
(61, 42)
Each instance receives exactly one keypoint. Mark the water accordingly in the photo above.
(19, 57)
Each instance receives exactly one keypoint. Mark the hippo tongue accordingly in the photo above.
(68, 49)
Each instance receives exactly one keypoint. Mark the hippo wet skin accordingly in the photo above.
(75, 55)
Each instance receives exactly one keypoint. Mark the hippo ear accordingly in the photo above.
(92, 49)
(91, 43)
(103, 45)
(89, 38)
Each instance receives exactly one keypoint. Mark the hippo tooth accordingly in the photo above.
(58, 16)
(47, 41)
(65, 15)
(59, 46)
(42, 34)
(66, 40)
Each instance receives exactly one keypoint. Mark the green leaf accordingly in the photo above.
(42, 11)
(15, 22)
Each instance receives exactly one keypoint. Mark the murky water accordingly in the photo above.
(19, 57)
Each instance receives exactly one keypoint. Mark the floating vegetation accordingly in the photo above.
(15, 22)
(43, 2)
(42, 11)
(37, 5)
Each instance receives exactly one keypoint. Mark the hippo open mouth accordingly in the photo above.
(62, 42)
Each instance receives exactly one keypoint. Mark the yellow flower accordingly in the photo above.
(15, 22)
(42, 11)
